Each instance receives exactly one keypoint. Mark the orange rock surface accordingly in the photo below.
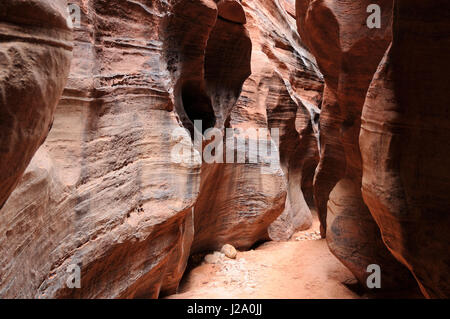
(348, 53)
(35, 53)
(103, 192)
(355, 120)
(404, 143)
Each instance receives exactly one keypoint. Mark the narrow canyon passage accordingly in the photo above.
(224, 149)
(302, 267)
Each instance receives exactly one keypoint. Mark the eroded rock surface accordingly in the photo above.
(247, 68)
(35, 54)
(103, 192)
(348, 53)
(283, 93)
(107, 197)
(231, 10)
(404, 143)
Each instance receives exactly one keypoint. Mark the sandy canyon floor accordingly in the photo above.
(300, 268)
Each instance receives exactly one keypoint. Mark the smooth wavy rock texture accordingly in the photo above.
(348, 53)
(35, 53)
(404, 143)
(103, 193)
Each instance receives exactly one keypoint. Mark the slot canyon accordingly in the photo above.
(94, 101)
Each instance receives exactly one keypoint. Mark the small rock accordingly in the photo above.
(229, 251)
(213, 258)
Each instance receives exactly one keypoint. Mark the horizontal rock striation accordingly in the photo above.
(104, 193)
(108, 198)
(404, 143)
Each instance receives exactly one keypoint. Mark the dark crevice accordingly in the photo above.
(197, 105)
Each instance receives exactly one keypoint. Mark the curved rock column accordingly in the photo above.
(404, 143)
(298, 155)
(35, 53)
(103, 192)
(348, 52)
